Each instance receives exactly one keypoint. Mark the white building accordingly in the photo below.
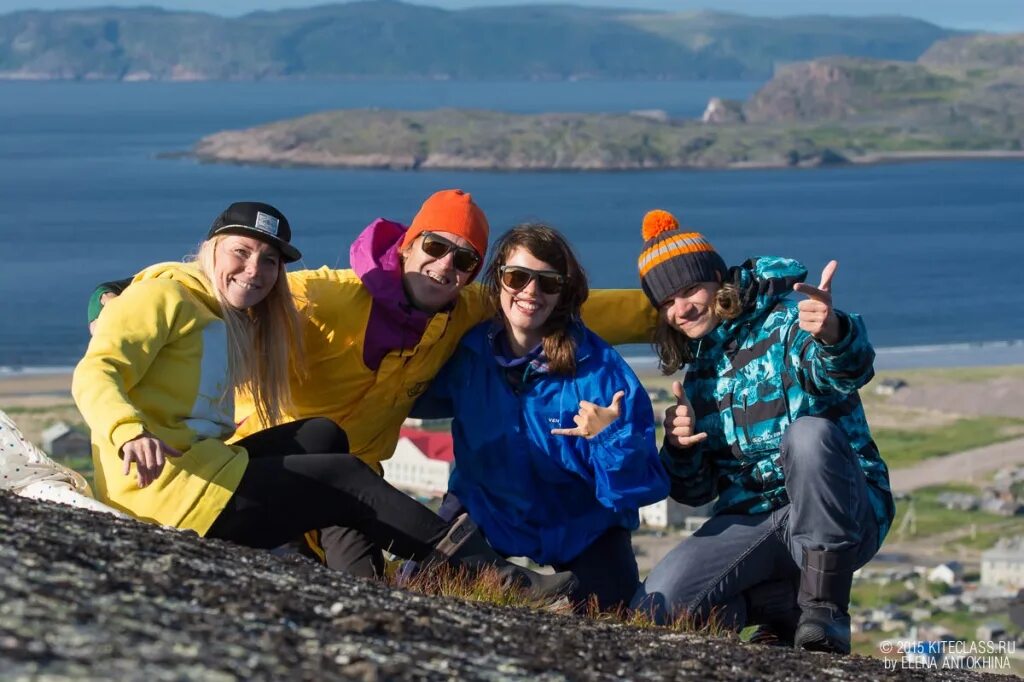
(949, 573)
(1003, 565)
(668, 512)
(422, 462)
(61, 440)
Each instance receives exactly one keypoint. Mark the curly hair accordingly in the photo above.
(673, 346)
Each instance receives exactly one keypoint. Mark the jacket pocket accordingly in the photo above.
(760, 416)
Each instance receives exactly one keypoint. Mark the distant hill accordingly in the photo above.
(833, 110)
(386, 38)
(965, 93)
(974, 52)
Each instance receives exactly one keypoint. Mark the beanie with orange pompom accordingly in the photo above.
(674, 258)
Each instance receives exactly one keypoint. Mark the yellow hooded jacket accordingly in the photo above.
(158, 362)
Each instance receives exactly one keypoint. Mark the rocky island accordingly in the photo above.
(962, 97)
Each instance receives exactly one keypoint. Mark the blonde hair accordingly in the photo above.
(264, 342)
(673, 346)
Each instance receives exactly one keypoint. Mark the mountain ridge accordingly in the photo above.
(365, 39)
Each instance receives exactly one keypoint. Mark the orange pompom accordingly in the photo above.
(658, 221)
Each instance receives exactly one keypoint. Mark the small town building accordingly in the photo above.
(422, 462)
(889, 386)
(949, 573)
(61, 441)
(1003, 565)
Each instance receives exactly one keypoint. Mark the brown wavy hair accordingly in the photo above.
(673, 347)
(549, 245)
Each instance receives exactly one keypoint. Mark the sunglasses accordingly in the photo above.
(517, 278)
(435, 246)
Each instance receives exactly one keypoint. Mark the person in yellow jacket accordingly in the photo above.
(157, 387)
(376, 334)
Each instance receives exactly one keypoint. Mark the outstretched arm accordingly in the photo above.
(620, 315)
(830, 348)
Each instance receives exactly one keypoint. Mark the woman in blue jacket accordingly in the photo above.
(545, 468)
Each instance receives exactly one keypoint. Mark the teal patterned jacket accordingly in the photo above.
(751, 378)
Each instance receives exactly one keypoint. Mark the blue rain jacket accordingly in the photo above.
(532, 493)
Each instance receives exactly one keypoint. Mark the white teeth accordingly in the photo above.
(246, 285)
(527, 306)
(437, 278)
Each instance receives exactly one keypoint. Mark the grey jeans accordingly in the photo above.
(711, 571)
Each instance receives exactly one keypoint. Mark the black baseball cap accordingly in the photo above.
(259, 221)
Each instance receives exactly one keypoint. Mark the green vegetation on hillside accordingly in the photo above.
(390, 39)
(931, 518)
(828, 111)
(904, 448)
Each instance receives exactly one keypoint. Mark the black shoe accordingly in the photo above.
(770, 635)
(465, 545)
(772, 607)
(824, 598)
(822, 629)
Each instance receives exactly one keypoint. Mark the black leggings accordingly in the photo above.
(292, 485)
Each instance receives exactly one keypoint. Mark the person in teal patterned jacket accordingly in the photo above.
(768, 420)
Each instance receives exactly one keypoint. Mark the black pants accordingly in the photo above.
(287, 489)
(606, 569)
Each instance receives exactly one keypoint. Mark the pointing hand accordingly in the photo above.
(817, 317)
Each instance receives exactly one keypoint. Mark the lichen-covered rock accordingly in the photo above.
(85, 595)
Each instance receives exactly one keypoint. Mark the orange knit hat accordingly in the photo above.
(451, 210)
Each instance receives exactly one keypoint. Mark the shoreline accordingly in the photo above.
(404, 165)
(55, 382)
(994, 353)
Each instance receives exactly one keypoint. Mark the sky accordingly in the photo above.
(984, 15)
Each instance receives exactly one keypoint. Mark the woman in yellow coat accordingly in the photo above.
(157, 388)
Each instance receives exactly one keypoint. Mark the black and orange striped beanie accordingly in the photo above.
(674, 258)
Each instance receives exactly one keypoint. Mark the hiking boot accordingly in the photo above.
(465, 545)
(772, 607)
(769, 635)
(824, 600)
(823, 629)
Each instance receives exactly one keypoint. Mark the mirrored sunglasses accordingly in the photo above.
(517, 278)
(435, 246)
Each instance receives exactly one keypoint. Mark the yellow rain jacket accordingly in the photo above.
(158, 362)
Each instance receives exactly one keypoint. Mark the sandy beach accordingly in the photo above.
(16, 387)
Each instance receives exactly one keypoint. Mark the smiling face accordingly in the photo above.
(433, 283)
(526, 310)
(245, 270)
(690, 310)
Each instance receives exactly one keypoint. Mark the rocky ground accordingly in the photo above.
(90, 596)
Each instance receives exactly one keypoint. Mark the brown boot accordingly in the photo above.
(465, 545)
